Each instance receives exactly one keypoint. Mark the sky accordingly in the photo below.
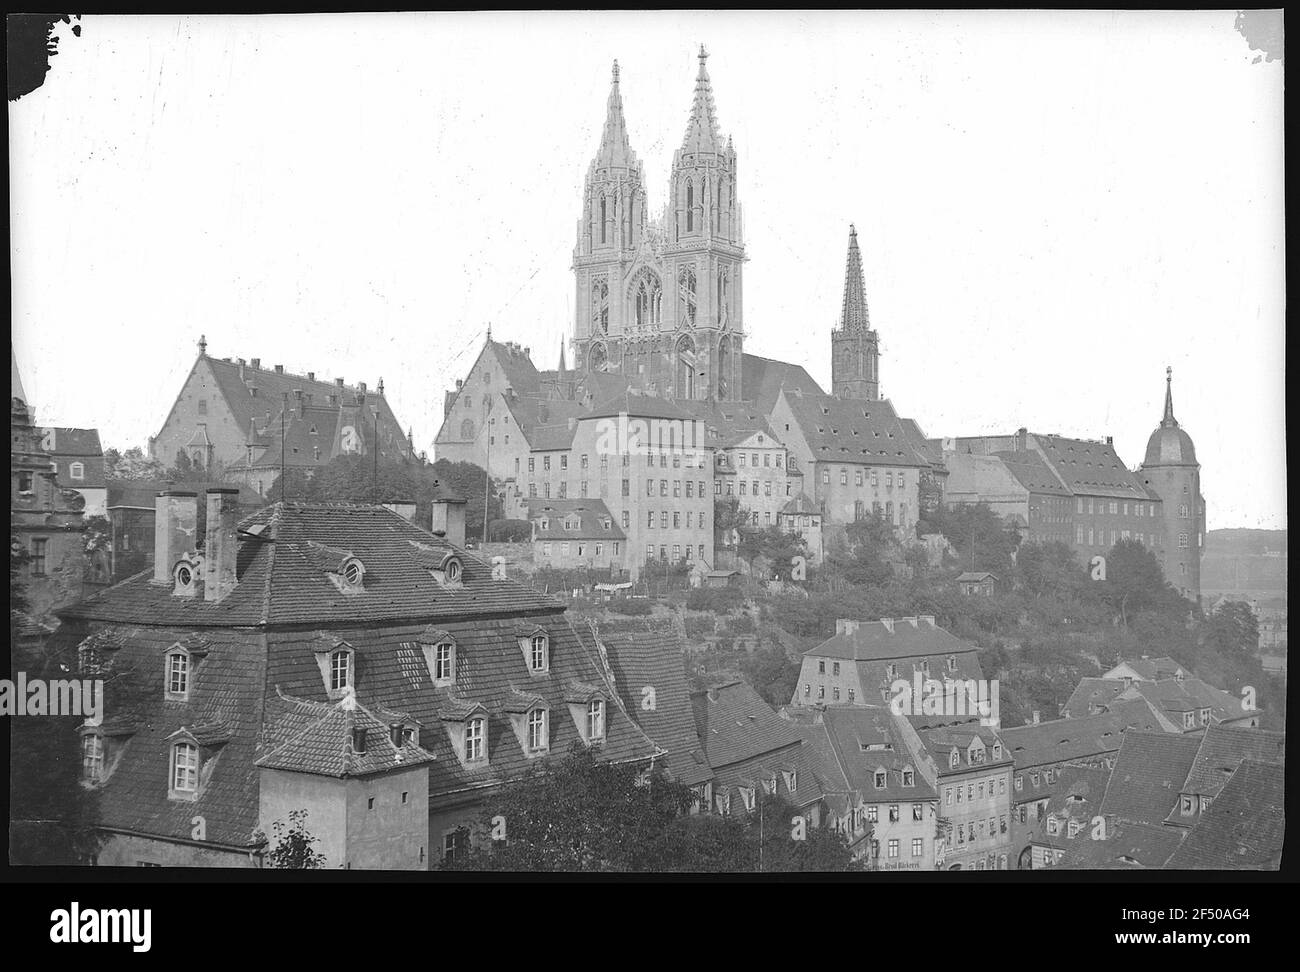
(1052, 208)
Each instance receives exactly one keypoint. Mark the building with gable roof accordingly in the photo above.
(236, 657)
(241, 421)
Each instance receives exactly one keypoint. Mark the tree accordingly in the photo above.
(1136, 582)
(132, 464)
(294, 844)
(979, 537)
(1232, 629)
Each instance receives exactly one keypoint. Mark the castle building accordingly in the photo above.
(236, 420)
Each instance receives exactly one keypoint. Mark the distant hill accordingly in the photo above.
(1246, 562)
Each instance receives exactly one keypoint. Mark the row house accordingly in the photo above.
(576, 533)
(1181, 703)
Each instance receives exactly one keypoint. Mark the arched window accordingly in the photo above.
(597, 359)
(467, 429)
(603, 218)
(725, 366)
(600, 307)
(690, 206)
(686, 366)
(686, 296)
(77, 470)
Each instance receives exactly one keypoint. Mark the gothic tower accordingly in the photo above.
(855, 350)
(610, 231)
(659, 302)
(1171, 470)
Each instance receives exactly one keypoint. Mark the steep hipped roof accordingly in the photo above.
(72, 442)
(867, 739)
(654, 660)
(763, 378)
(853, 431)
(1085, 736)
(320, 739)
(1032, 472)
(282, 580)
(1090, 468)
(1148, 775)
(1244, 827)
(735, 724)
(873, 640)
(1128, 844)
(1222, 750)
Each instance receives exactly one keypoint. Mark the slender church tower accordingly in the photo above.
(1170, 468)
(855, 351)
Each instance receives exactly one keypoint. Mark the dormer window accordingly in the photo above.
(791, 780)
(1053, 826)
(353, 574)
(337, 662)
(184, 770)
(537, 734)
(537, 653)
(444, 662)
(475, 730)
(880, 779)
(1205, 717)
(997, 750)
(77, 470)
(909, 777)
(952, 663)
(595, 720)
(92, 757)
(747, 794)
(340, 670)
(1072, 828)
(178, 675)
(954, 759)
(536, 647)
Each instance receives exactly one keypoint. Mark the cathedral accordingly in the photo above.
(658, 298)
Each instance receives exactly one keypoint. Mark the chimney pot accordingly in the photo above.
(279, 369)
(338, 382)
(256, 363)
(311, 376)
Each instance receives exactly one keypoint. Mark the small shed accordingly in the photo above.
(976, 583)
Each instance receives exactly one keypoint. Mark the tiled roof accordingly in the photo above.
(654, 660)
(1127, 844)
(930, 449)
(1154, 668)
(1222, 750)
(761, 380)
(853, 430)
(735, 724)
(324, 746)
(975, 575)
(635, 405)
(1148, 775)
(73, 442)
(1090, 468)
(1075, 795)
(873, 640)
(940, 741)
(545, 422)
(1092, 692)
(282, 580)
(1189, 694)
(1245, 825)
(1033, 473)
(1078, 737)
(800, 504)
(857, 734)
(591, 519)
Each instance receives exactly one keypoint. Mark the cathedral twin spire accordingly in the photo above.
(615, 149)
(702, 135)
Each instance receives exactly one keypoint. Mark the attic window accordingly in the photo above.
(185, 576)
(595, 720)
(353, 574)
(537, 653)
(879, 778)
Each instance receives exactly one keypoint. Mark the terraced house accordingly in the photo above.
(327, 657)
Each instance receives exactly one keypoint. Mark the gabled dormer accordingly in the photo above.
(336, 660)
(466, 722)
(102, 746)
(535, 645)
(192, 753)
(954, 758)
(180, 665)
(587, 707)
(530, 718)
(440, 656)
(975, 752)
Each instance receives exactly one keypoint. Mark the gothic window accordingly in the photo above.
(467, 429)
(604, 222)
(724, 285)
(690, 206)
(685, 367)
(724, 365)
(600, 307)
(647, 300)
(686, 296)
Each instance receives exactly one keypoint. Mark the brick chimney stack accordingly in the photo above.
(175, 531)
(221, 543)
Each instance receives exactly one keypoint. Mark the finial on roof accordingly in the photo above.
(1169, 422)
(704, 55)
(203, 345)
(615, 72)
(381, 386)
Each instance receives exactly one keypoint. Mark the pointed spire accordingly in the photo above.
(1169, 422)
(854, 318)
(702, 127)
(615, 150)
(563, 367)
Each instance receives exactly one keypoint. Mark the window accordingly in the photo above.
(909, 777)
(893, 847)
(595, 720)
(92, 757)
(178, 674)
(38, 556)
(918, 811)
(474, 740)
(185, 768)
(873, 813)
(537, 729)
(894, 814)
(340, 670)
(879, 778)
(835, 668)
(77, 470)
(537, 653)
(444, 669)
(918, 846)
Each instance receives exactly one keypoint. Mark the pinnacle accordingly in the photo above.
(854, 317)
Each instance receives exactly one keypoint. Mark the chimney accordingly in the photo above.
(449, 518)
(459, 383)
(846, 626)
(175, 531)
(338, 382)
(1036, 716)
(279, 369)
(256, 363)
(888, 624)
(1022, 440)
(221, 545)
(1110, 440)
